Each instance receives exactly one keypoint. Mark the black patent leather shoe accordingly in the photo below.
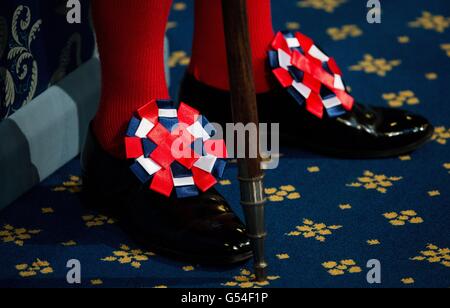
(313, 107)
(364, 132)
(201, 229)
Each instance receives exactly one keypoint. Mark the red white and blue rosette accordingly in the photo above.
(309, 75)
(174, 150)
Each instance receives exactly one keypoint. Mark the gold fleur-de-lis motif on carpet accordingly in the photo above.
(447, 167)
(434, 193)
(18, 236)
(405, 157)
(441, 134)
(39, 266)
(339, 268)
(372, 181)
(283, 192)
(313, 169)
(188, 268)
(317, 231)
(179, 58)
(431, 76)
(403, 39)
(179, 6)
(344, 32)
(402, 218)
(399, 99)
(171, 25)
(429, 21)
(96, 282)
(69, 243)
(97, 220)
(373, 242)
(72, 185)
(283, 256)
(247, 280)
(126, 255)
(446, 48)
(47, 210)
(408, 280)
(345, 206)
(292, 25)
(225, 182)
(372, 65)
(434, 254)
(328, 6)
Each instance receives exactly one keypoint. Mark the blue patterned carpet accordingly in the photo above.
(326, 217)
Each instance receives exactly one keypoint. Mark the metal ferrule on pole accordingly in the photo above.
(253, 200)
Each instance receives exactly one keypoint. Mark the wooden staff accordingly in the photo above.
(245, 110)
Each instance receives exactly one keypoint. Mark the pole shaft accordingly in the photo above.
(244, 106)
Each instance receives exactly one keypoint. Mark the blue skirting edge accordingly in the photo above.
(48, 132)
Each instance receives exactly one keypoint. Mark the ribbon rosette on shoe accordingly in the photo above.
(309, 75)
(173, 149)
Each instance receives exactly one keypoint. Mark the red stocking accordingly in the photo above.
(209, 62)
(131, 44)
